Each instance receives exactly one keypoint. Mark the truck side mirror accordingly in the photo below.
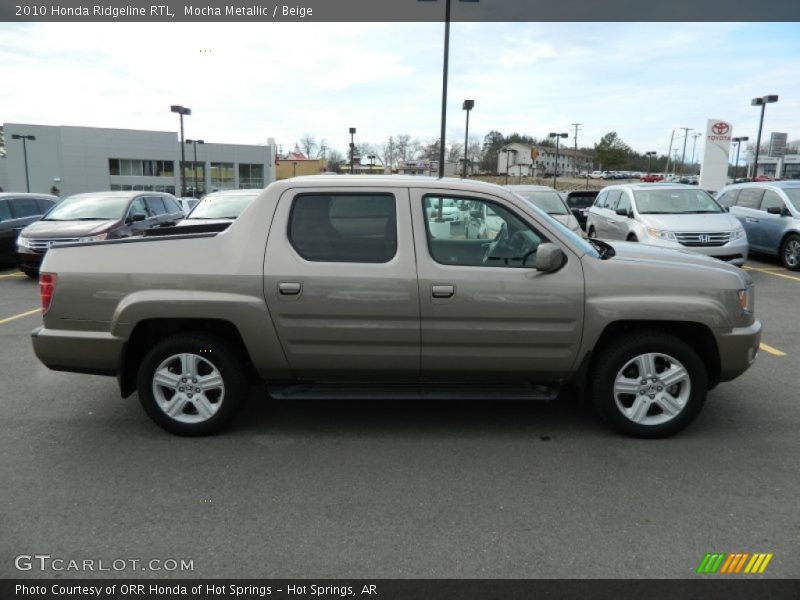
(549, 258)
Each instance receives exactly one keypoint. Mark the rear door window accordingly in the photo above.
(24, 207)
(359, 228)
(5, 210)
(750, 198)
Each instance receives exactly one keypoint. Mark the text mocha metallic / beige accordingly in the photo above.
(400, 287)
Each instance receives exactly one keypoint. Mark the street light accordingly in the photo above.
(467, 106)
(686, 131)
(508, 151)
(650, 156)
(25, 138)
(371, 158)
(738, 141)
(181, 110)
(352, 147)
(762, 102)
(194, 164)
(558, 137)
(444, 79)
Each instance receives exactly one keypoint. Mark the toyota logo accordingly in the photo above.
(704, 238)
(720, 128)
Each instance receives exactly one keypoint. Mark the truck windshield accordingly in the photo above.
(89, 208)
(222, 206)
(549, 202)
(674, 202)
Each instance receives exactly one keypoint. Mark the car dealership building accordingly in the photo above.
(69, 160)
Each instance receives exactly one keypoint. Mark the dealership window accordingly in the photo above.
(223, 176)
(791, 171)
(358, 228)
(141, 168)
(251, 176)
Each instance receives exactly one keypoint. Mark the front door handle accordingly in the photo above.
(289, 288)
(751, 220)
(442, 291)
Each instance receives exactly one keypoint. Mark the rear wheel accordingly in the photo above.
(192, 384)
(31, 273)
(790, 252)
(649, 384)
(632, 238)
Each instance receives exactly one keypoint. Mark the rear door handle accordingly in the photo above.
(289, 288)
(443, 291)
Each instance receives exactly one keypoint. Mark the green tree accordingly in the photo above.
(611, 151)
(492, 142)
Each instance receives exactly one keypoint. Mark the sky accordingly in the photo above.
(247, 82)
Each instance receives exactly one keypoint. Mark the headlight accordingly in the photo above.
(746, 299)
(661, 234)
(94, 238)
(23, 242)
(737, 234)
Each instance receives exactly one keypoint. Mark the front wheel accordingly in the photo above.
(790, 252)
(649, 384)
(192, 384)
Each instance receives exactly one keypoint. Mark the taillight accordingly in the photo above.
(47, 285)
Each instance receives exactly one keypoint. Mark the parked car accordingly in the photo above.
(220, 207)
(549, 201)
(579, 202)
(669, 215)
(770, 214)
(450, 211)
(651, 178)
(305, 293)
(17, 210)
(596, 175)
(93, 217)
(187, 204)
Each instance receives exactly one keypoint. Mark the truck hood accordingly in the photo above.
(67, 229)
(711, 222)
(644, 255)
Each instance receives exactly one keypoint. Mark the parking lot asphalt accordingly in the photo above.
(393, 489)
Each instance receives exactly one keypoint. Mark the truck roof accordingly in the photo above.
(390, 180)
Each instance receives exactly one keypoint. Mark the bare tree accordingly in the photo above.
(323, 149)
(308, 144)
(455, 152)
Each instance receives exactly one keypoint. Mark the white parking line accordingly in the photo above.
(20, 315)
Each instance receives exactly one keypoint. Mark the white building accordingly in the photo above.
(521, 160)
(785, 167)
(70, 160)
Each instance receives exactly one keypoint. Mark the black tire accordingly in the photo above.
(789, 259)
(217, 352)
(621, 351)
(591, 233)
(632, 238)
(30, 273)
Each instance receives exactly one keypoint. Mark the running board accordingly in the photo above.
(428, 391)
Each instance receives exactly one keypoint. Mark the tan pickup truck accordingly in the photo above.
(365, 287)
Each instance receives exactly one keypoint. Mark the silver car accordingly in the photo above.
(549, 201)
(770, 214)
(669, 215)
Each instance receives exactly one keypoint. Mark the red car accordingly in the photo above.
(651, 178)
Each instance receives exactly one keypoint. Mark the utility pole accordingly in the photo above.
(577, 126)
(686, 131)
(694, 146)
(391, 153)
(669, 154)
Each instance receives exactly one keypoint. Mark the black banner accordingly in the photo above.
(399, 589)
(398, 10)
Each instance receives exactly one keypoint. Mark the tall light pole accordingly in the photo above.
(686, 131)
(577, 126)
(738, 141)
(508, 152)
(194, 164)
(467, 106)
(762, 102)
(669, 154)
(694, 145)
(181, 110)
(25, 139)
(352, 147)
(371, 158)
(558, 137)
(650, 156)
